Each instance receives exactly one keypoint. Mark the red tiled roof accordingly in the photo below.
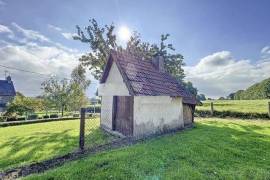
(143, 79)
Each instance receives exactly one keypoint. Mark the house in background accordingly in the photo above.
(139, 98)
(7, 92)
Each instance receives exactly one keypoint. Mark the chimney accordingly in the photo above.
(8, 78)
(158, 63)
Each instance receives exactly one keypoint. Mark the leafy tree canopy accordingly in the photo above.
(257, 91)
(22, 105)
(67, 94)
(103, 39)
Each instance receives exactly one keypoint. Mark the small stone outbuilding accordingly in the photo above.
(139, 98)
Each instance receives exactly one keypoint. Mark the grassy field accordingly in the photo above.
(214, 149)
(253, 106)
(25, 144)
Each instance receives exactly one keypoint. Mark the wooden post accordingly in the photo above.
(82, 128)
(212, 108)
(269, 109)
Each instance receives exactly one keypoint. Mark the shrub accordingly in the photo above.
(54, 116)
(11, 119)
(2, 118)
(223, 114)
(46, 117)
(76, 115)
(32, 116)
(21, 118)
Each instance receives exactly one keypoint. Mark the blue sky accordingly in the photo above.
(232, 31)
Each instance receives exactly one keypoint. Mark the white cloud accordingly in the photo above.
(54, 27)
(265, 53)
(42, 59)
(69, 36)
(29, 53)
(220, 74)
(66, 35)
(30, 34)
(5, 29)
(266, 49)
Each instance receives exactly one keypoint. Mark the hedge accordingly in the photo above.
(223, 114)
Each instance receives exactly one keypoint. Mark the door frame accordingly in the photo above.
(114, 113)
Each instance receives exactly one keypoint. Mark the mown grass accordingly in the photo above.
(246, 106)
(26, 144)
(214, 149)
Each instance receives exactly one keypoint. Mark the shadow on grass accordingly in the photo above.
(212, 150)
(38, 146)
(21, 150)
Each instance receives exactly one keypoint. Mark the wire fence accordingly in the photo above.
(91, 133)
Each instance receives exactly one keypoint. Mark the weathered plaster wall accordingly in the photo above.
(114, 86)
(187, 114)
(154, 114)
(106, 111)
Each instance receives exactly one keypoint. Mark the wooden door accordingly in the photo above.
(123, 117)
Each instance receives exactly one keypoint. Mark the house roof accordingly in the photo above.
(7, 88)
(143, 79)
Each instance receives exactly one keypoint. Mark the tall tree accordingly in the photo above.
(57, 92)
(78, 76)
(79, 84)
(189, 86)
(103, 39)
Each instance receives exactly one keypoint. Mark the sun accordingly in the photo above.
(124, 33)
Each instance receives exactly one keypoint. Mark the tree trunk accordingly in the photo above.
(62, 109)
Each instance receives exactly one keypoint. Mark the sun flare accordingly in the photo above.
(124, 33)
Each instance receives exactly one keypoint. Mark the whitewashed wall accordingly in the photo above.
(106, 112)
(153, 114)
(114, 86)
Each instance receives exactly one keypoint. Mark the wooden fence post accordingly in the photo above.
(269, 109)
(82, 128)
(212, 108)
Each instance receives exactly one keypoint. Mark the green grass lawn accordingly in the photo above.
(26, 144)
(253, 106)
(214, 149)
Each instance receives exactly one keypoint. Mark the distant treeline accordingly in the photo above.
(257, 91)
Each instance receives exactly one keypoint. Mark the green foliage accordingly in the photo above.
(201, 97)
(214, 149)
(257, 91)
(57, 92)
(79, 84)
(78, 76)
(67, 94)
(189, 86)
(231, 96)
(22, 105)
(173, 62)
(102, 40)
(231, 114)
